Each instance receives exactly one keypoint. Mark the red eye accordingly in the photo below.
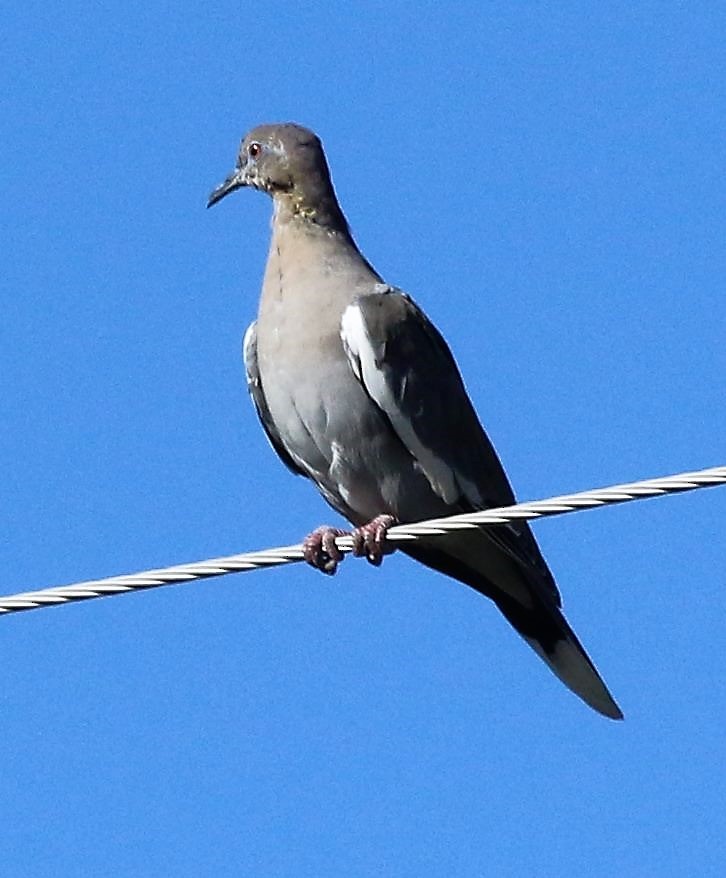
(254, 149)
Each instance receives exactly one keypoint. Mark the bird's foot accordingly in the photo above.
(320, 551)
(369, 540)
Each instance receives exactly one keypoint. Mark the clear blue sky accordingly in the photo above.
(547, 180)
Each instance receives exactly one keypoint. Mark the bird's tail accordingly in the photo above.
(529, 609)
(547, 631)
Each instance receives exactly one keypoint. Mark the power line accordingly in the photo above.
(561, 505)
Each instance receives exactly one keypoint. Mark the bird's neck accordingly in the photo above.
(305, 254)
(323, 212)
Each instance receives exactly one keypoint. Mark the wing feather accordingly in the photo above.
(408, 370)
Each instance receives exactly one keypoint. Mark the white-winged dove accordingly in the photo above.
(358, 391)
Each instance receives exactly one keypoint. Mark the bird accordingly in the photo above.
(358, 391)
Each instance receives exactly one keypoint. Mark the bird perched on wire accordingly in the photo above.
(358, 391)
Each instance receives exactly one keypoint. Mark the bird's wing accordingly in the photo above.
(406, 367)
(254, 385)
(408, 371)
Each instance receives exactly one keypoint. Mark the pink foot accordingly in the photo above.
(320, 551)
(369, 540)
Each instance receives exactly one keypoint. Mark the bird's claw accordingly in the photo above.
(369, 540)
(320, 550)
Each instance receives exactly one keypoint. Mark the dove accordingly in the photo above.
(359, 392)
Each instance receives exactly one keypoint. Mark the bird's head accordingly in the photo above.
(282, 160)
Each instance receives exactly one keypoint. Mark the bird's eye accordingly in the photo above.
(254, 149)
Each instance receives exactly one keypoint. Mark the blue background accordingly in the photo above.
(547, 180)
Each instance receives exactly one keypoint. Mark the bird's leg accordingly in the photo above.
(320, 551)
(369, 540)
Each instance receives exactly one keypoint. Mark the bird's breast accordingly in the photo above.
(320, 410)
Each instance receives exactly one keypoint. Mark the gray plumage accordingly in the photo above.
(358, 391)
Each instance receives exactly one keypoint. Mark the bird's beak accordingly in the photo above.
(235, 181)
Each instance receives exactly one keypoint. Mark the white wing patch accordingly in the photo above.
(351, 331)
(248, 352)
(366, 363)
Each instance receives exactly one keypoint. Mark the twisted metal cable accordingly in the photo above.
(561, 505)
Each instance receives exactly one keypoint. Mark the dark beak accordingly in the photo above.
(234, 181)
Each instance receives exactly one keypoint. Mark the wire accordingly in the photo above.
(561, 505)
